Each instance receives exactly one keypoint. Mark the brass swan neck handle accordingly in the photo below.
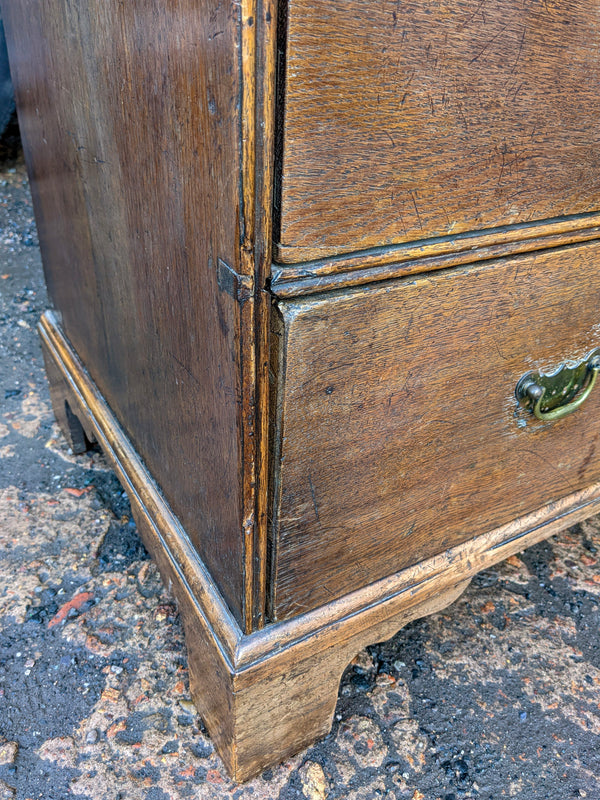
(560, 393)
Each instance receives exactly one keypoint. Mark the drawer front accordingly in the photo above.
(399, 434)
(405, 121)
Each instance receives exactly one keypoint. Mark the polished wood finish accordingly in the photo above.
(400, 432)
(404, 121)
(243, 684)
(321, 448)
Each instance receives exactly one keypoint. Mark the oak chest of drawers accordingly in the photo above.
(326, 289)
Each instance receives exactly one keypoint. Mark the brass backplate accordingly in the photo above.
(561, 386)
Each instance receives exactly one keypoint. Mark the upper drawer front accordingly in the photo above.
(400, 434)
(410, 120)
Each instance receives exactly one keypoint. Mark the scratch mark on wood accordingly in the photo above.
(491, 41)
(412, 196)
(314, 498)
(409, 327)
(473, 15)
(521, 43)
(587, 460)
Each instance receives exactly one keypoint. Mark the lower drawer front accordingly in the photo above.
(398, 431)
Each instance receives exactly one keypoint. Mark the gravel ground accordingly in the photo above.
(498, 696)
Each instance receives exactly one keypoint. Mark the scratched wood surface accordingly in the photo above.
(398, 428)
(117, 102)
(409, 120)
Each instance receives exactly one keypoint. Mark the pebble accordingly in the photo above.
(8, 753)
(92, 736)
(7, 792)
(314, 785)
(363, 662)
(188, 707)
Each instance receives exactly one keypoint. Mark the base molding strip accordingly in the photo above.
(253, 690)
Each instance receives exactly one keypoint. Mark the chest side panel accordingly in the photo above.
(130, 120)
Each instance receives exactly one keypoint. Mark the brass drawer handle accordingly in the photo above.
(562, 391)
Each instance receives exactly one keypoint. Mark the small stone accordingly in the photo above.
(514, 561)
(110, 695)
(8, 753)
(363, 662)
(314, 785)
(92, 736)
(7, 792)
(116, 727)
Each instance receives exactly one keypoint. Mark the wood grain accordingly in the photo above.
(262, 249)
(399, 434)
(265, 695)
(240, 698)
(143, 181)
(398, 261)
(411, 120)
(410, 138)
(167, 540)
